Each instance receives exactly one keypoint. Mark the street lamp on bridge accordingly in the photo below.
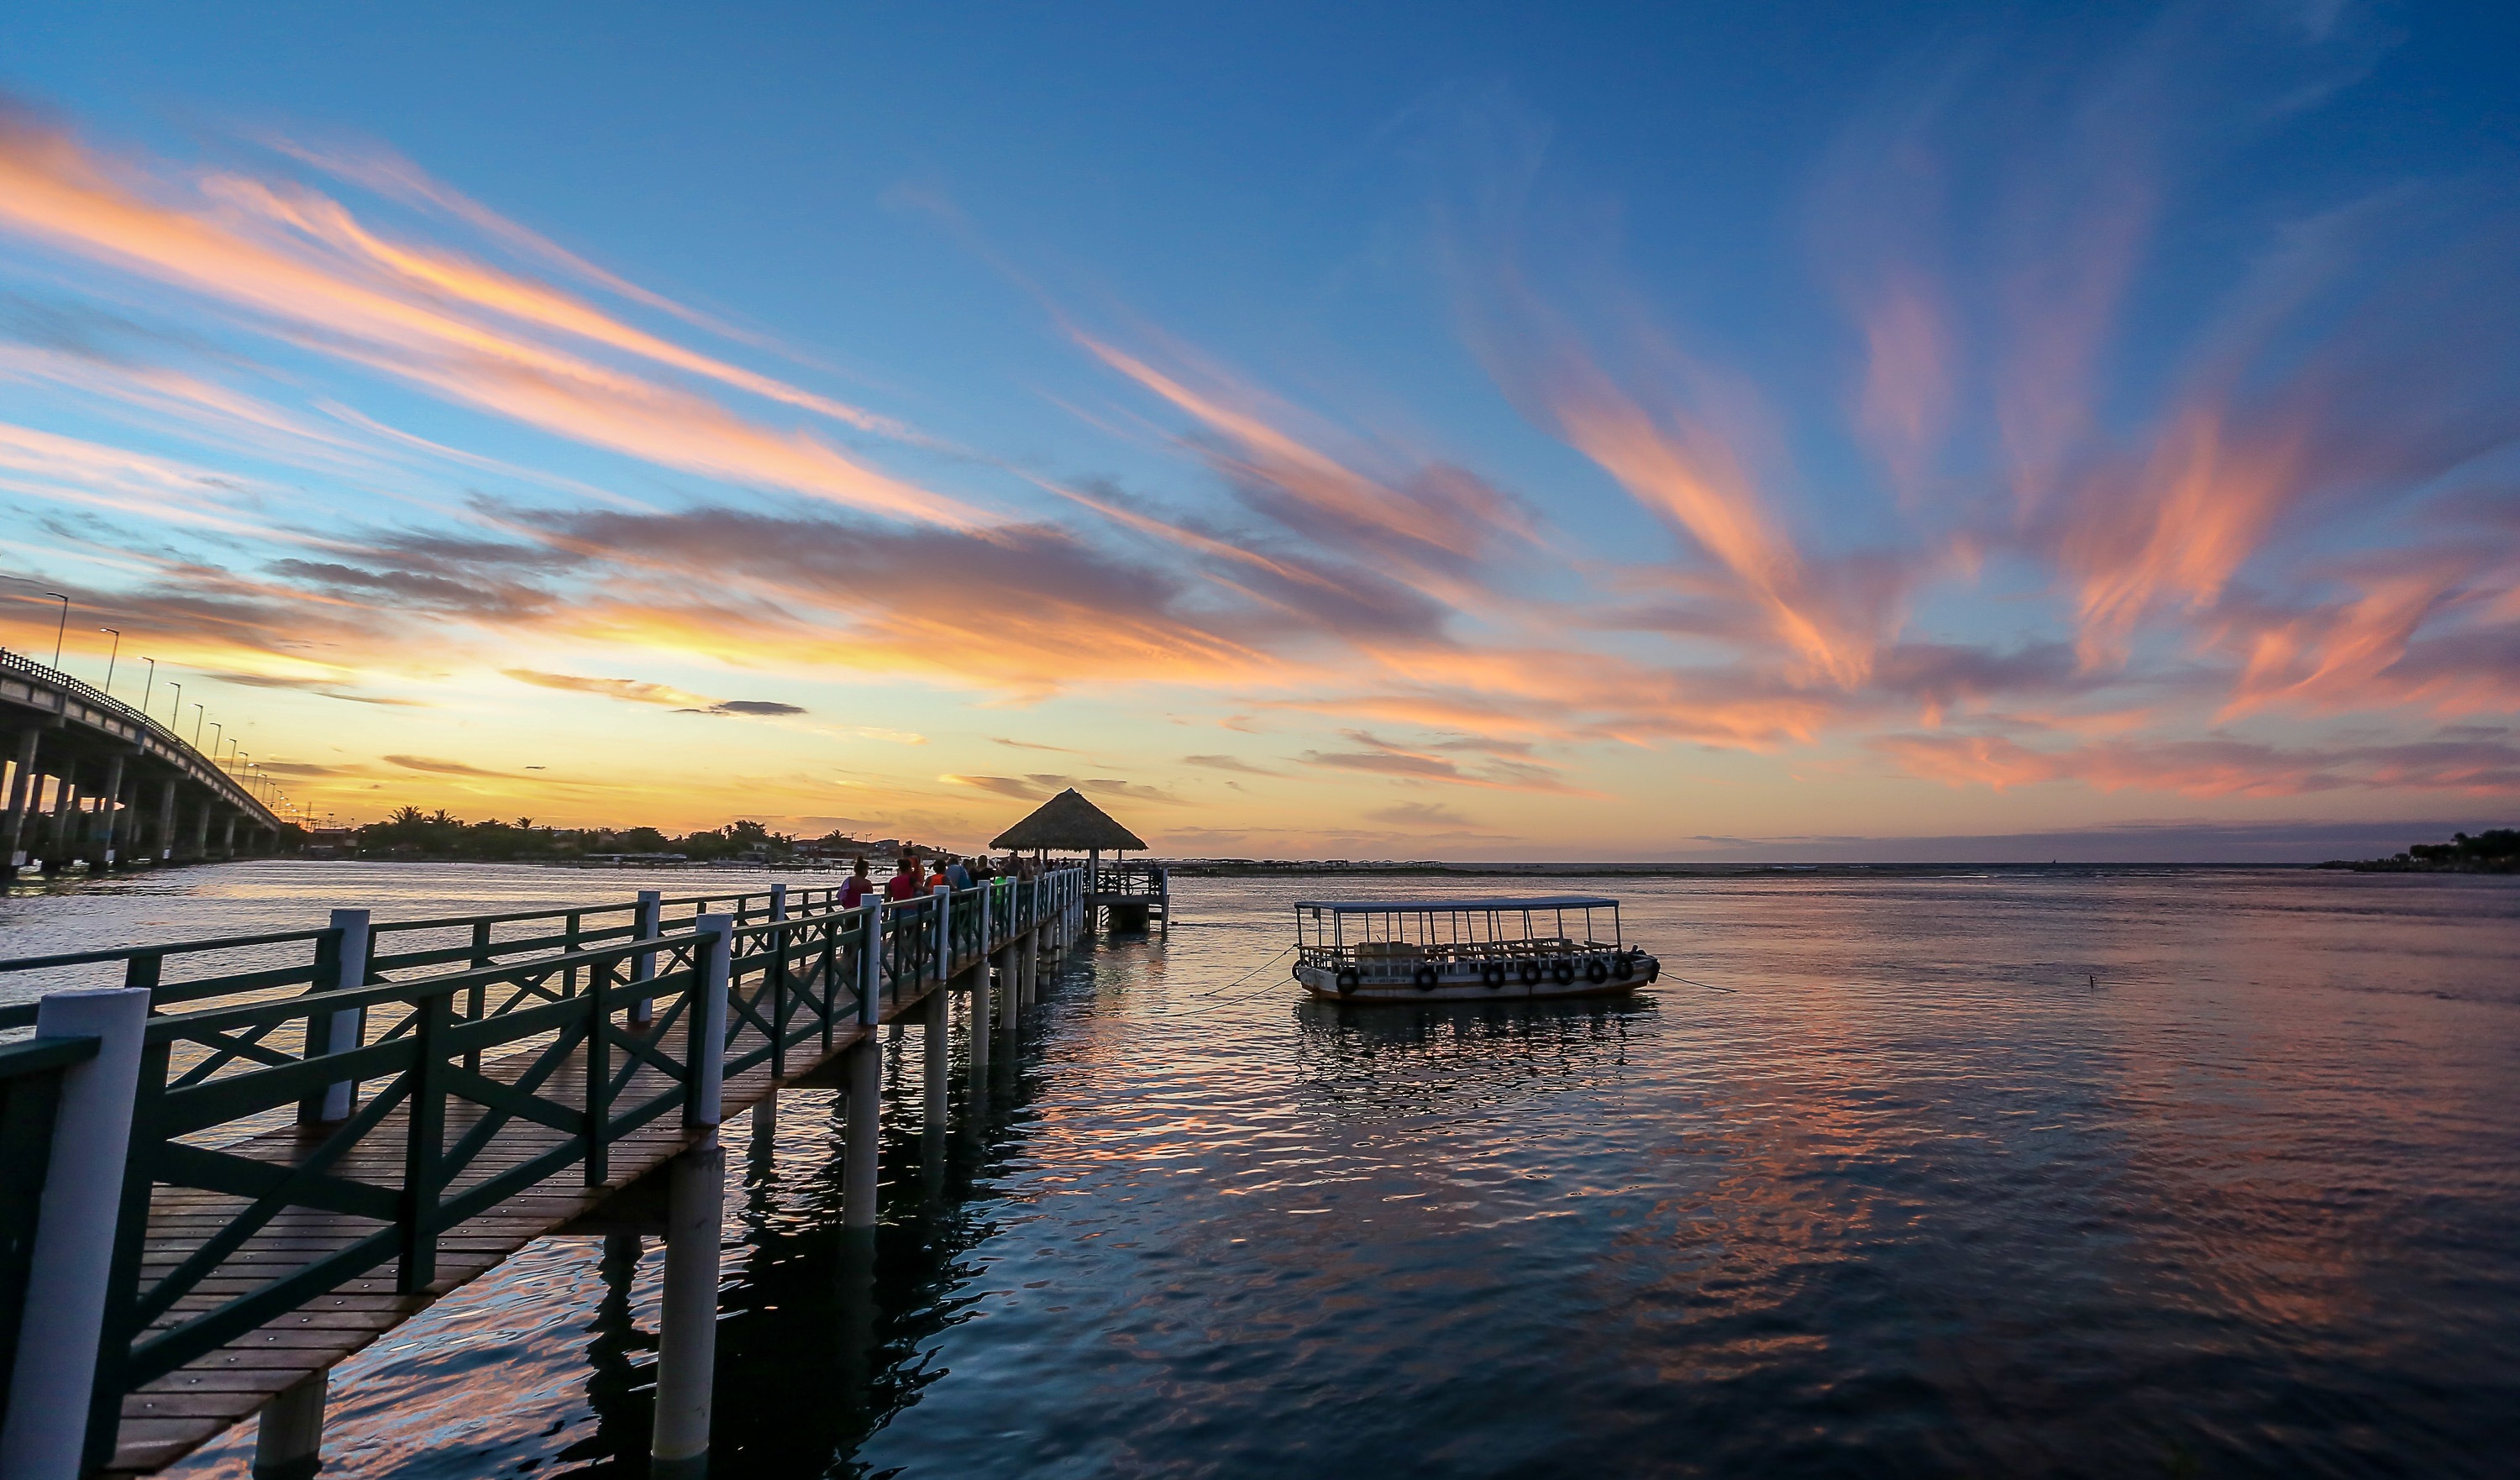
(148, 688)
(111, 658)
(198, 714)
(59, 627)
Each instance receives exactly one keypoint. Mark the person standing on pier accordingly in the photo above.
(908, 881)
(857, 886)
(956, 874)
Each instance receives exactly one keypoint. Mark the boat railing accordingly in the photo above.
(1406, 956)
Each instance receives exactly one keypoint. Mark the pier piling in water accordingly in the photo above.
(687, 1343)
(289, 1443)
(860, 1134)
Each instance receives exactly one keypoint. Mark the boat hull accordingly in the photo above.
(1466, 985)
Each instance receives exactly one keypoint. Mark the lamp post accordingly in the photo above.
(112, 657)
(148, 688)
(215, 742)
(177, 717)
(198, 714)
(59, 627)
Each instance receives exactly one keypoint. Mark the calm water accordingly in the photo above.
(1913, 1197)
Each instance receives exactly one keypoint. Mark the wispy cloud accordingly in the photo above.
(1235, 764)
(301, 265)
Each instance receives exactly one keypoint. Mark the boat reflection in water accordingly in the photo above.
(1440, 1058)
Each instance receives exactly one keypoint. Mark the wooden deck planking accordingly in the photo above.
(170, 1417)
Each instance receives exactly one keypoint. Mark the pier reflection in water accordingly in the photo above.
(1922, 1198)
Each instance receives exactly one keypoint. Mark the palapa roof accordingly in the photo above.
(1070, 822)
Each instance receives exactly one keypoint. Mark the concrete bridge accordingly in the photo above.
(254, 1156)
(91, 779)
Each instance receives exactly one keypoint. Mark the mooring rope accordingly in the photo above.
(1709, 986)
(1236, 982)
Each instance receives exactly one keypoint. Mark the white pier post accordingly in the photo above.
(870, 966)
(861, 1133)
(45, 1430)
(288, 1439)
(695, 1227)
(864, 1060)
(346, 1029)
(944, 897)
(643, 966)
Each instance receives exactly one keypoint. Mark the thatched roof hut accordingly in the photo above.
(1068, 824)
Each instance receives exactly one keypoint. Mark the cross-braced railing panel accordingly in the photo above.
(306, 1119)
(420, 1140)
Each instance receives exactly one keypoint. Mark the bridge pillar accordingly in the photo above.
(202, 830)
(862, 1131)
(107, 814)
(289, 1444)
(227, 839)
(57, 846)
(165, 838)
(22, 800)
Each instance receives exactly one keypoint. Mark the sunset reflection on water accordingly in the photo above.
(2035, 1173)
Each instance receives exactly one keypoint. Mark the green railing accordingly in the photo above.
(459, 1062)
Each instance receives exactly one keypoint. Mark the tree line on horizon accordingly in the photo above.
(2496, 850)
(442, 835)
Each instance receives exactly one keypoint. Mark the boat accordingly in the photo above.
(1559, 945)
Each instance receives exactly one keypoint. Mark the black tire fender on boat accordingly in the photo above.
(1624, 965)
(1348, 980)
(1653, 969)
(1597, 970)
(1423, 978)
(1563, 972)
(1531, 973)
(1492, 975)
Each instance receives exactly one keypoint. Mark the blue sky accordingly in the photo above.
(1418, 432)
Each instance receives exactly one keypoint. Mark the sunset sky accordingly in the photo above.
(1445, 430)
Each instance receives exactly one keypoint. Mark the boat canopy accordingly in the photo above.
(1326, 928)
(1456, 905)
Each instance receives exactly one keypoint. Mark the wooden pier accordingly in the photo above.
(455, 1089)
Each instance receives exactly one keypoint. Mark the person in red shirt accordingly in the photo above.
(854, 892)
(907, 882)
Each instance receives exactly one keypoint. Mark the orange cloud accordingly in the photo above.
(409, 323)
(2179, 526)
